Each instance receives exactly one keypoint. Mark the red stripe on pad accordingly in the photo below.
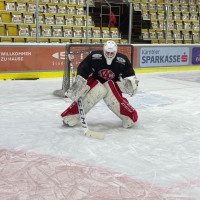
(125, 108)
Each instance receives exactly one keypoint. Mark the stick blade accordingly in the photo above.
(96, 135)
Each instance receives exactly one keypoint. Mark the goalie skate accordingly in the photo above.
(71, 120)
(127, 122)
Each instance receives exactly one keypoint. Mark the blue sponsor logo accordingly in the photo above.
(161, 59)
(196, 56)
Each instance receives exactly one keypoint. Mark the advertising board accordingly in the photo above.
(164, 56)
(31, 58)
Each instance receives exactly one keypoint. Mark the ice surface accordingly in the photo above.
(159, 158)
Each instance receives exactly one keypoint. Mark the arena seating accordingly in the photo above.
(60, 21)
(183, 23)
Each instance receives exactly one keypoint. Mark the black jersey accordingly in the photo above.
(95, 65)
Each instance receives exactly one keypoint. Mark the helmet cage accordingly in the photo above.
(110, 51)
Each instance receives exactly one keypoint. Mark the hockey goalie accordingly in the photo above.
(104, 74)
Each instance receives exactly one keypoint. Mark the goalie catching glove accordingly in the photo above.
(78, 89)
(128, 85)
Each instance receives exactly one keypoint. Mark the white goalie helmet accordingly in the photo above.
(110, 51)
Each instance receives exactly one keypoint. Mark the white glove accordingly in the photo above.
(78, 89)
(128, 85)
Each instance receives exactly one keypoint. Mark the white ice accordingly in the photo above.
(163, 148)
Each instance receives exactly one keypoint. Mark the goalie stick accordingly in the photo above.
(87, 132)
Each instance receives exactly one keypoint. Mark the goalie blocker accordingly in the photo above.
(112, 96)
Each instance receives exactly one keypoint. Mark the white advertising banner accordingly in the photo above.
(164, 56)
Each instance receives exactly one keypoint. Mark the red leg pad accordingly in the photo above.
(125, 108)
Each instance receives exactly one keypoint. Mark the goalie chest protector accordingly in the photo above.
(95, 65)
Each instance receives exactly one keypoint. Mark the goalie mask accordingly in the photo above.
(110, 51)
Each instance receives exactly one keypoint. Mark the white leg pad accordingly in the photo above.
(119, 105)
(95, 94)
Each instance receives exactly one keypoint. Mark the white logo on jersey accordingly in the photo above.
(96, 56)
(120, 60)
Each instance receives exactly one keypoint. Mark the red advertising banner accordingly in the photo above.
(31, 58)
